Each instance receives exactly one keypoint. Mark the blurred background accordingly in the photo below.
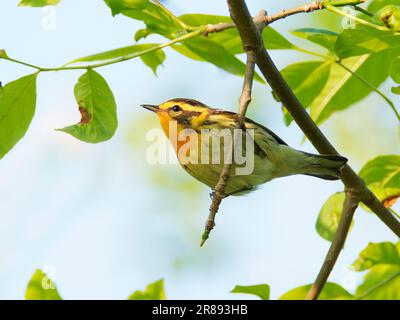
(104, 223)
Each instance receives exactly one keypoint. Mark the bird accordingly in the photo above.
(272, 157)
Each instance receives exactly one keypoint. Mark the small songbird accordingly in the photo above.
(271, 156)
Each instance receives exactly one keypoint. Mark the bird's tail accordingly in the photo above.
(323, 166)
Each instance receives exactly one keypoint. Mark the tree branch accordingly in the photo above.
(219, 190)
(267, 19)
(252, 40)
(349, 207)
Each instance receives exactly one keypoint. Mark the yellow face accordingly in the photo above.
(186, 113)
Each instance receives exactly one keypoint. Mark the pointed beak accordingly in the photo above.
(150, 107)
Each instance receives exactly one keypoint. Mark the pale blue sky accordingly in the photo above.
(94, 214)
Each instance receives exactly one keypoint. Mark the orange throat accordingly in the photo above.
(171, 128)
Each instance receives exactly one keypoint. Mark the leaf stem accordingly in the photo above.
(342, 3)
(362, 10)
(21, 63)
(394, 212)
(366, 82)
(184, 37)
(175, 18)
(377, 286)
(373, 88)
(323, 56)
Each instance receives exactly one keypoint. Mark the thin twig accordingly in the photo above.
(307, 8)
(182, 38)
(362, 10)
(349, 207)
(251, 39)
(394, 212)
(173, 17)
(219, 190)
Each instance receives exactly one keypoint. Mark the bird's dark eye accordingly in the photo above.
(176, 108)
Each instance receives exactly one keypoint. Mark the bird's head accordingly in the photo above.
(187, 113)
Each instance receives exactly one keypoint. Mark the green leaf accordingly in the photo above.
(17, 107)
(382, 176)
(363, 40)
(383, 170)
(230, 38)
(197, 20)
(154, 59)
(141, 34)
(117, 6)
(375, 254)
(386, 195)
(274, 40)
(38, 3)
(382, 282)
(216, 54)
(182, 49)
(389, 16)
(41, 287)
(98, 109)
(3, 54)
(306, 79)
(115, 53)
(329, 216)
(395, 70)
(331, 291)
(376, 5)
(259, 290)
(396, 90)
(156, 20)
(322, 37)
(344, 89)
(154, 291)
